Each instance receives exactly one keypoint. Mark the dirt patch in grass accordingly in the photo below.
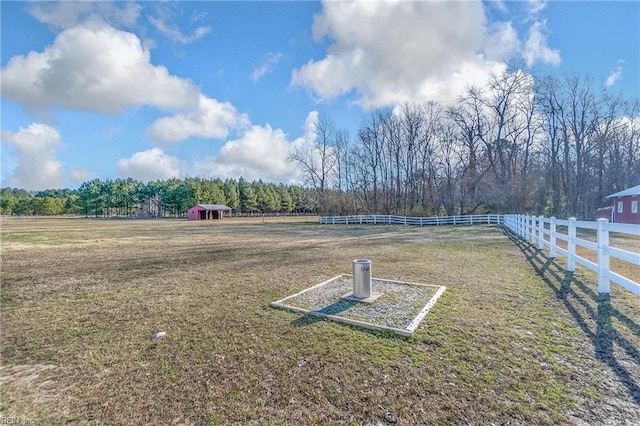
(514, 339)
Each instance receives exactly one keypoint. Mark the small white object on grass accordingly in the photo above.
(160, 334)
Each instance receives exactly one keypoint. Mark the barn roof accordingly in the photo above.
(216, 207)
(634, 190)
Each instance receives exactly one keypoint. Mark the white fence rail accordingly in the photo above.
(415, 221)
(540, 231)
(545, 233)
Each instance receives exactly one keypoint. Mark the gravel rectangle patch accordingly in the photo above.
(400, 308)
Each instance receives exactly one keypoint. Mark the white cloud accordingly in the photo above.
(269, 61)
(427, 50)
(35, 153)
(96, 68)
(208, 119)
(502, 42)
(536, 6)
(78, 175)
(615, 75)
(310, 125)
(150, 165)
(261, 153)
(536, 48)
(499, 5)
(173, 32)
(66, 14)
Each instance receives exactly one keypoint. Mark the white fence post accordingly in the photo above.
(571, 245)
(604, 285)
(552, 238)
(541, 232)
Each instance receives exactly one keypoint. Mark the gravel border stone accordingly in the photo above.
(400, 308)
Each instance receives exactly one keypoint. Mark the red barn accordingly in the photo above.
(625, 206)
(207, 211)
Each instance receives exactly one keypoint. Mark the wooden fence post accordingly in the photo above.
(604, 285)
(552, 237)
(571, 245)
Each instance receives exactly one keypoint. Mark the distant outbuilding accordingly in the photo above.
(625, 206)
(207, 211)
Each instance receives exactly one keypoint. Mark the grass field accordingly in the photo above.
(513, 340)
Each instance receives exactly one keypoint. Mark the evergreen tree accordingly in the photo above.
(248, 199)
(231, 194)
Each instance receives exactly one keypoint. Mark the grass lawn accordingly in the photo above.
(513, 340)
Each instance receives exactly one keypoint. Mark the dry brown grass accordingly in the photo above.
(513, 340)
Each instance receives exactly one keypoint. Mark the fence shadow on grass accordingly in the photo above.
(584, 303)
(332, 309)
(336, 309)
(307, 319)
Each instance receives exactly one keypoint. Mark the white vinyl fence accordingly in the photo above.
(416, 221)
(540, 231)
(545, 233)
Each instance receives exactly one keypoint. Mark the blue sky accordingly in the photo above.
(155, 90)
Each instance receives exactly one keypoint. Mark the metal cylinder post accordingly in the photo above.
(362, 278)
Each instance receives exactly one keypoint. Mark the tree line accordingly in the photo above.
(551, 145)
(546, 145)
(163, 198)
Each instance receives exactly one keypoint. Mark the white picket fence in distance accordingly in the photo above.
(537, 230)
(544, 233)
